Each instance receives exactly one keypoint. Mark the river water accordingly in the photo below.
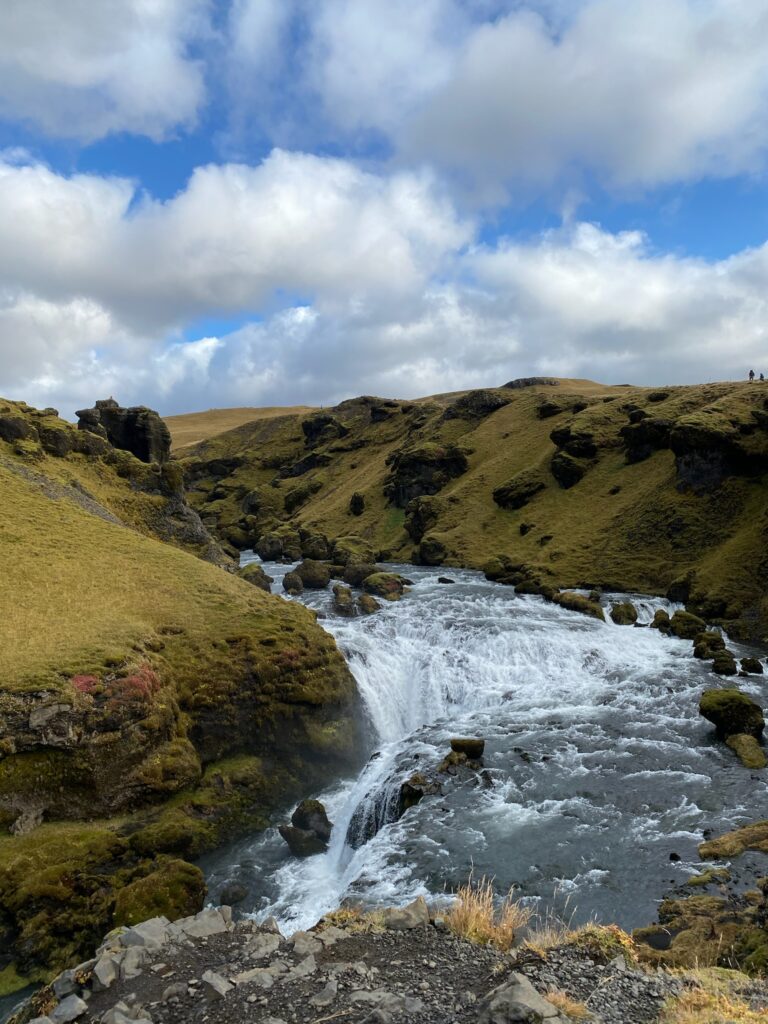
(598, 764)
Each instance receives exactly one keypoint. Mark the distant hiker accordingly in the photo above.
(751, 376)
(762, 377)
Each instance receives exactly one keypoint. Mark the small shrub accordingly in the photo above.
(570, 1007)
(85, 684)
(475, 917)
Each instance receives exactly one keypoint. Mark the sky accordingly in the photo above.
(211, 203)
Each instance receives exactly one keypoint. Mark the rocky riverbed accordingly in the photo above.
(398, 964)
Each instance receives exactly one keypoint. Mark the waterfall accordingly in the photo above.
(598, 765)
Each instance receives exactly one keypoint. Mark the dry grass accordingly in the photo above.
(477, 916)
(701, 1007)
(570, 1007)
(193, 427)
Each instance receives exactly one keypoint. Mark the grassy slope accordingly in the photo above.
(643, 536)
(250, 688)
(191, 428)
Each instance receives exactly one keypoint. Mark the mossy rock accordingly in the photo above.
(579, 603)
(712, 876)
(732, 712)
(355, 572)
(254, 574)
(384, 584)
(567, 470)
(313, 574)
(706, 645)
(174, 889)
(368, 604)
(748, 750)
(752, 666)
(536, 589)
(661, 621)
(343, 601)
(431, 551)
(686, 626)
(624, 613)
(517, 492)
(724, 663)
(293, 584)
(733, 844)
(350, 550)
(315, 545)
(357, 504)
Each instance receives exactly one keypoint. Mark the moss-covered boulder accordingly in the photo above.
(686, 626)
(269, 547)
(355, 572)
(421, 514)
(535, 588)
(431, 551)
(661, 621)
(313, 574)
(384, 584)
(254, 574)
(732, 712)
(624, 613)
(352, 550)
(343, 601)
(578, 603)
(706, 645)
(724, 663)
(748, 750)
(357, 504)
(174, 889)
(567, 469)
(293, 584)
(752, 666)
(518, 491)
(367, 604)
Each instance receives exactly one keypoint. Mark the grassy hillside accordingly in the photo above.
(191, 428)
(622, 487)
(151, 703)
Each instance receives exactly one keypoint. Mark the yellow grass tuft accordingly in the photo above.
(570, 1007)
(701, 1007)
(476, 917)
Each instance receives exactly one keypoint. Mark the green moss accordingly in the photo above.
(174, 889)
(11, 981)
(579, 603)
(711, 876)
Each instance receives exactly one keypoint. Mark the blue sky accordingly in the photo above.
(228, 202)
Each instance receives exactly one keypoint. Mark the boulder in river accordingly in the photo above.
(292, 584)
(748, 750)
(472, 747)
(314, 575)
(706, 645)
(309, 831)
(661, 621)
(752, 666)
(354, 573)
(253, 573)
(732, 712)
(384, 584)
(686, 626)
(368, 604)
(624, 613)
(343, 601)
(578, 603)
(724, 663)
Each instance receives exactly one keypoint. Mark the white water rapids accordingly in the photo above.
(598, 764)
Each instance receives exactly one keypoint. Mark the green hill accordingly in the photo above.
(567, 482)
(151, 703)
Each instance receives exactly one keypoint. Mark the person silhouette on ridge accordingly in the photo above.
(751, 376)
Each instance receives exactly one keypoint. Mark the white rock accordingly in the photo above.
(262, 945)
(327, 996)
(132, 963)
(271, 925)
(151, 934)
(403, 919)
(305, 943)
(106, 971)
(304, 969)
(68, 1009)
(207, 922)
(215, 985)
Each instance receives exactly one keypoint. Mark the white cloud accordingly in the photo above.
(83, 69)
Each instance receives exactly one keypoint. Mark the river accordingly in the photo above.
(599, 768)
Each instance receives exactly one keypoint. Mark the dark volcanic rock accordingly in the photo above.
(424, 469)
(566, 469)
(138, 430)
(644, 436)
(321, 429)
(476, 405)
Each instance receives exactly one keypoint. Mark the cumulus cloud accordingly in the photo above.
(516, 93)
(646, 93)
(81, 70)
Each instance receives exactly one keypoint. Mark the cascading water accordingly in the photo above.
(598, 766)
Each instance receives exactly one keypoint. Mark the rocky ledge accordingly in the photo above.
(401, 964)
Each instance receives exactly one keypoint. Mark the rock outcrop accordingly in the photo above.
(137, 430)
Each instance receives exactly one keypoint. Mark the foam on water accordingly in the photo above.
(599, 764)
